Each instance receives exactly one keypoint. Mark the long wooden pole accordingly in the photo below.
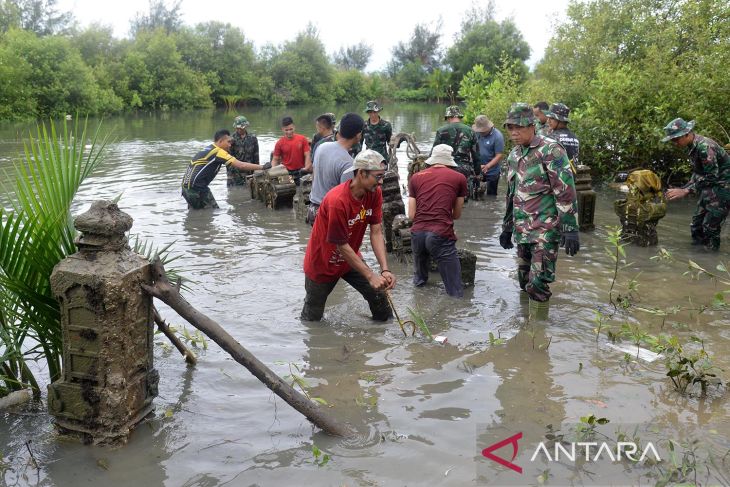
(167, 293)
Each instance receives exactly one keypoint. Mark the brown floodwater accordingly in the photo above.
(423, 411)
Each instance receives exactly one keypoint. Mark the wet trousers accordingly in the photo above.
(199, 199)
(712, 209)
(492, 183)
(536, 268)
(443, 252)
(317, 294)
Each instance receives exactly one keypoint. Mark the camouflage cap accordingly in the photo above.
(520, 114)
(677, 128)
(240, 122)
(454, 111)
(372, 106)
(558, 111)
(368, 160)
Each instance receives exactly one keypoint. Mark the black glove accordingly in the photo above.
(571, 242)
(505, 240)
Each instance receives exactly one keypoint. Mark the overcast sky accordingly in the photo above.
(379, 23)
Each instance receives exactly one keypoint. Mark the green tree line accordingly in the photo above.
(626, 68)
(49, 66)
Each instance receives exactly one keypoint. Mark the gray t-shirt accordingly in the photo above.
(330, 163)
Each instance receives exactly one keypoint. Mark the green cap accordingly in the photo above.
(240, 122)
(520, 114)
(677, 128)
(558, 111)
(453, 111)
(372, 106)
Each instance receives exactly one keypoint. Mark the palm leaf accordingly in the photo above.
(35, 234)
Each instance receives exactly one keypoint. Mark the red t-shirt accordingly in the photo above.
(436, 190)
(340, 219)
(292, 151)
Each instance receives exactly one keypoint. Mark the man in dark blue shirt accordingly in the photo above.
(491, 151)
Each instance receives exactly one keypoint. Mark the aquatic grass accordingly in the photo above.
(36, 233)
(420, 322)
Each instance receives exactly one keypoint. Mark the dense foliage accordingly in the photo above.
(50, 67)
(626, 69)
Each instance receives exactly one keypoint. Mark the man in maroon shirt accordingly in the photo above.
(435, 199)
(333, 251)
(292, 150)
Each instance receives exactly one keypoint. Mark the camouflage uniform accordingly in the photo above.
(541, 129)
(245, 148)
(541, 204)
(377, 137)
(199, 199)
(710, 179)
(463, 141)
(564, 136)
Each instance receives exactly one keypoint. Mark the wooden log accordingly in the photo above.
(166, 292)
(189, 356)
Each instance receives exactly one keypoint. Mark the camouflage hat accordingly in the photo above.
(240, 122)
(520, 114)
(558, 111)
(368, 160)
(372, 106)
(453, 111)
(677, 128)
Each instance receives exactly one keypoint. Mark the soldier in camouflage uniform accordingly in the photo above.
(541, 123)
(463, 141)
(558, 118)
(541, 203)
(377, 132)
(245, 148)
(710, 179)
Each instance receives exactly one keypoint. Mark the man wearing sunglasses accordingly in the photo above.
(333, 251)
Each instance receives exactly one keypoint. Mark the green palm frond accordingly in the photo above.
(150, 252)
(35, 234)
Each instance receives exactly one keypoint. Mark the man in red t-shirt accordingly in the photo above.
(435, 199)
(333, 251)
(292, 150)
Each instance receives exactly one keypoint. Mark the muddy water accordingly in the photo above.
(421, 409)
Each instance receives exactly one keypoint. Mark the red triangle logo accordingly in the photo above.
(487, 452)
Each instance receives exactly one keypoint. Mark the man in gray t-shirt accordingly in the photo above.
(331, 161)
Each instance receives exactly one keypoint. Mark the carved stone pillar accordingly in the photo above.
(108, 379)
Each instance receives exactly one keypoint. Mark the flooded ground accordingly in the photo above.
(424, 411)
